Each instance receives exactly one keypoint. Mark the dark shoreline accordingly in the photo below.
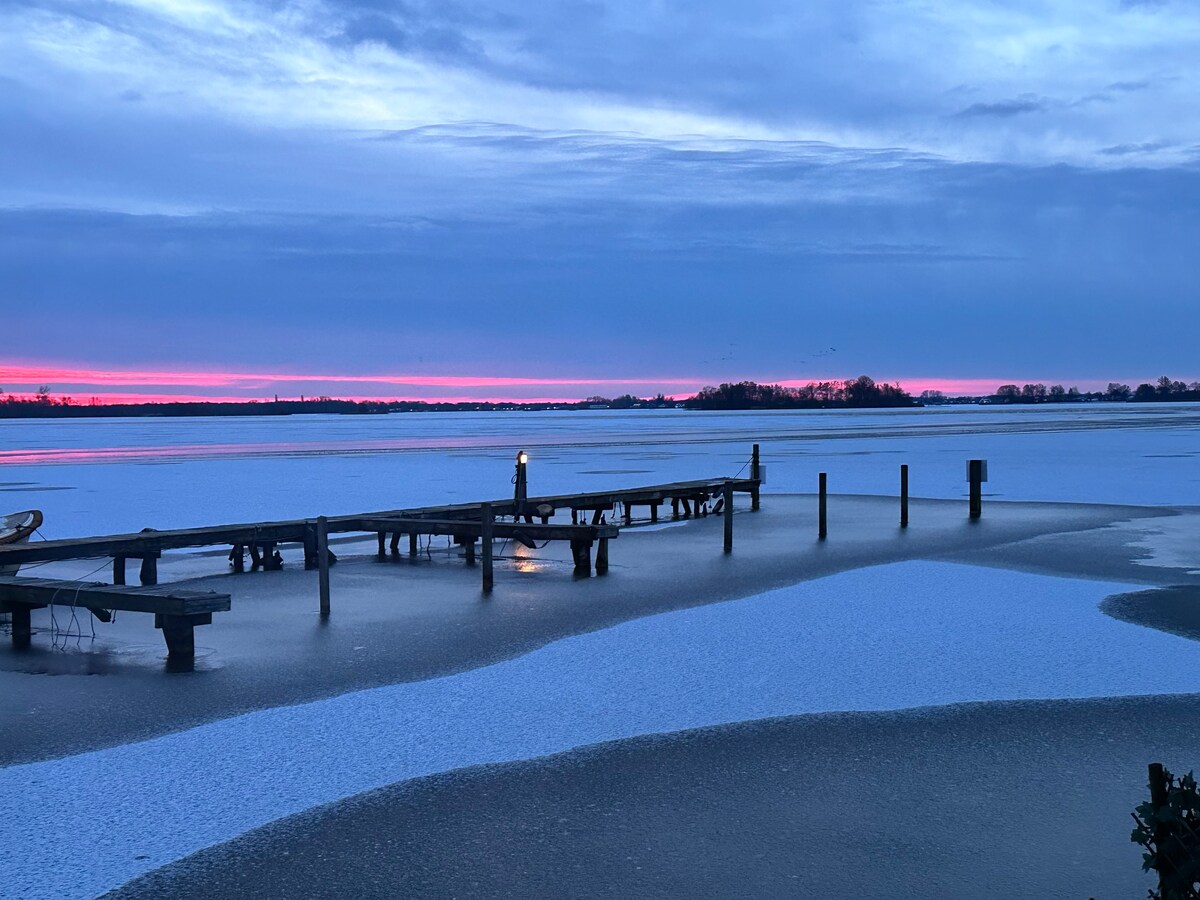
(1005, 799)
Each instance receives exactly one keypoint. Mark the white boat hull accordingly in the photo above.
(16, 529)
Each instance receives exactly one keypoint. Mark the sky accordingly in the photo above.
(564, 198)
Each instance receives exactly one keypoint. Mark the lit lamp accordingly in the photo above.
(522, 483)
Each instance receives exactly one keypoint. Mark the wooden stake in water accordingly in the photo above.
(904, 496)
(485, 537)
(728, 495)
(822, 508)
(756, 476)
(323, 563)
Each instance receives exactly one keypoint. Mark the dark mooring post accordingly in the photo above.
(976, 475)
(118, 570)
(822, 507)
(755, 476)
(323, 563)
(904, 496)
(485, 538)
(728, 495)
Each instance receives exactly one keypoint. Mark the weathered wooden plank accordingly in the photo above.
(16, 591)
(142, 544)
(467, 529)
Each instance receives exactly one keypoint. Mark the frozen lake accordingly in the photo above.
(112, 475)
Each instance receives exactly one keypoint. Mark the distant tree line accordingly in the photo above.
(42, 406)
(862, 392)
(858, 393)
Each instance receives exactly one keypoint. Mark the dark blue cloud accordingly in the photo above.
(1004, 109)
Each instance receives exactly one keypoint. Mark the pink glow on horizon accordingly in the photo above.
(80, 382)
(38, 375)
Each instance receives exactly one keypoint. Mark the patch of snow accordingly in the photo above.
(903, 635)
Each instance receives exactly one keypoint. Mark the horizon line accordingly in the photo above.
(81, 383)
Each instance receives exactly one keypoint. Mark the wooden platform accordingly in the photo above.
(467, 523)
(176, 612)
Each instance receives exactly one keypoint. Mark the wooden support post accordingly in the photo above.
(654, 511)
(255, 558)
(272, 562)
(975, 476)
(323, 563)
(118, 570)
(486, 521)
(904, 495)
(581, 550)
(22, 627)
(674, 507)
(628, 513)
(180, 634)
(238, 556)
(469, 550)
(728, 517)
(381, 538)
(755, 476)
(310, 546)
(822, 507)
(574, 516)
(602, 556)
(149, 573)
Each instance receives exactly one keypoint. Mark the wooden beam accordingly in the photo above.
(18, 591)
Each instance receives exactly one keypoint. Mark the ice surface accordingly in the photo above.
(110, 475)
(897, 636)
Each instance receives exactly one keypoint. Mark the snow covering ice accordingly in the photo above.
(904, 635)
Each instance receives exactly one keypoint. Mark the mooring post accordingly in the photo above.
(728, 494)
(118, 570)
(485, 538)
(904, 495)
(602, 556)
(822, 508)
(382, 537)
(323, 563)
(976, 475)
(755, 476)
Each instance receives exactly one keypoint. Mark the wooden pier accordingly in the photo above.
(177, 612)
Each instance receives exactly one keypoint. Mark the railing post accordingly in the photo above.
(822, 507)
(323, 563)
(904, 495)
(485, 538)
(728, 494)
